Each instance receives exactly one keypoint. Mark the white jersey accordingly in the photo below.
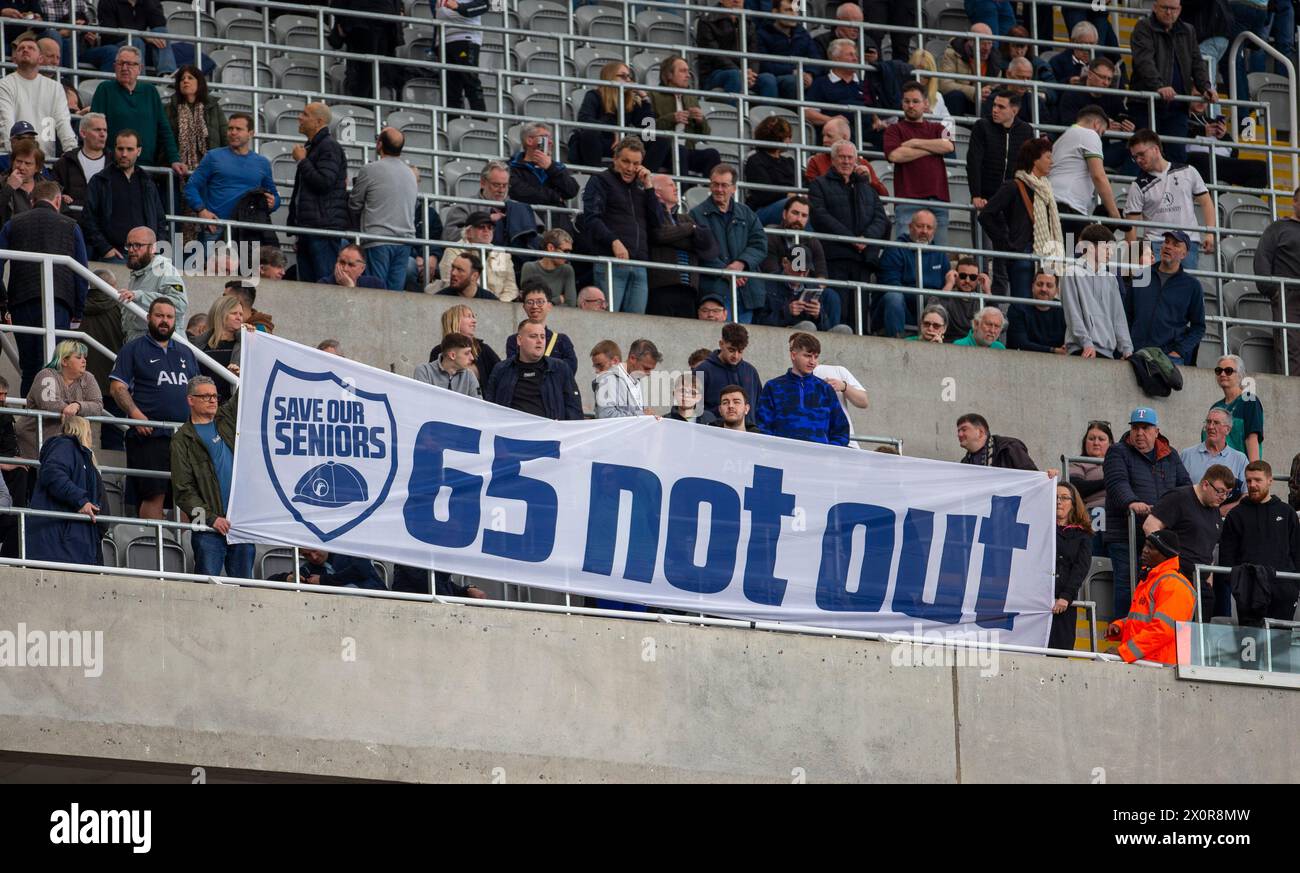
(834, 371)
(1071, 182)
(1169, 198)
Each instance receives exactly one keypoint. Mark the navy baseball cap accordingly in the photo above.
(1180, 236)
(1144, 415)
(331, 485)
(22, 128)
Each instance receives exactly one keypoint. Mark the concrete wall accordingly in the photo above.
(255, 680)
(916, 391)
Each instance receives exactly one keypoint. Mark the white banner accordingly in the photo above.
(343, 456)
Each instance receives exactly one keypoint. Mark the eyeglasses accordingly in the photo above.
(937, 325)
(626, 77)
(1214, 422)
(536, 302)
(132, 245)
(204, 397)
(1064, 498)
(1219, 371)
(1222, 492)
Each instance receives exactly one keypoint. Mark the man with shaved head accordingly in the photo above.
(152, 276)
(384, 193)
(320, 196)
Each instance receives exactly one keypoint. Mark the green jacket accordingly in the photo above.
(665, 105)
(195, 488)
(213, 117)
(141, 111)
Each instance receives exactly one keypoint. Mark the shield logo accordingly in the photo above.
(330, 448)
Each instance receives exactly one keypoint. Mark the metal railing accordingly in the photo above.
(1198, 616)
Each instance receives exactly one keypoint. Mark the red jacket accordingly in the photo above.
(1164, 598)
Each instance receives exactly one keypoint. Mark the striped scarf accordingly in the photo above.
(1049, 241)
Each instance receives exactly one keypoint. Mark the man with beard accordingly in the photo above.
(149, 382)
(794, 217)
(152, 276)
(119, 198)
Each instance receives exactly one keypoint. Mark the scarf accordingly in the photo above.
(984, 457)
(192, 133)
(1049, 242)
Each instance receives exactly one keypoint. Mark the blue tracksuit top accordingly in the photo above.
(802, 408)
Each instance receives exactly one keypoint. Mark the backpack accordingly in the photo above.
(1156, 374)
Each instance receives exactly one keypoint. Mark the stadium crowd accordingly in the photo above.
(1036, 198)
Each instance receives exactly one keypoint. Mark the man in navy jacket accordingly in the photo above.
(727, 366)
(534, 383)
(1168, 310)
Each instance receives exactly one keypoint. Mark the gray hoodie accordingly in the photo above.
(1094, 311)
(462, 382)
(617, 396)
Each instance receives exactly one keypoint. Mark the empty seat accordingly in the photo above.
(542, 56)
(601, 22)
(422, 91)
(236, 101)
(415, 126)
(296, 74)
(589, 60)
(353, 125)
(417, 41)
(235, 67)
(419, 8)
(275, 560)
(460, 178)
(949, 15)
(661, 28)
(141, 553)
(474, 137)
(1244, 212)
(108, 553)
(1257, 353)
(724, 119)
(645, 65)
(245, 24)
(180, 20)
(544, 16)
(283, 165)
(1254, 306)
(280, 115)
(538, 101)
(1211, 349)
(1238, 254)
(299, 30)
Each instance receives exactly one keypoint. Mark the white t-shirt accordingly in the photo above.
(1168, 198)
(88, 166)
(834, 371)
(1071, 182)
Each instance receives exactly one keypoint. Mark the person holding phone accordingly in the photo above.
(793, 300)
(536, 176)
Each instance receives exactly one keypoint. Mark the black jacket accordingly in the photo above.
(320, 195)
(554, 186)
(679, 233)
(1154, 50)
(71, 178)
(560, 396)
(1132, 476)
(849, 208)
(616, 210)
(43, 229)
(1073, 560)
(1009, 453)
(721, 30)
(1004, 218)
(991, 155)
(97, 217)
(1265, 533)
(763, 169)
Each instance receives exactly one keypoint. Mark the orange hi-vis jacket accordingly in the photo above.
(1164, 598)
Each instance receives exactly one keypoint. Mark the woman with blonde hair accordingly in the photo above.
(593, 148)
(922, 62)
(461, 319)
(68, 481)
(221, 341)
(63, 386)
(1073, 559)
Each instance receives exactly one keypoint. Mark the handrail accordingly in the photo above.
(1231, 58)
(1199, 618)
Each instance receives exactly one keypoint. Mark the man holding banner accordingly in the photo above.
(534, 383)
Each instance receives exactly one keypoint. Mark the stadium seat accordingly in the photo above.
(1244, 212)
(601, 22)
(723, 118)
(1238, 254)
(280, 115)
(296, 73)
(544, 16)
(235, 67)
(538, 101)
(1273, 90)
(280, 154)
(426, 92)
(588, 60)
(108, 553)
(646, 65)
(542, 56)
(946, 15)
(417, 42)
(275, 560)
(661, 28)
(86, 89)
(1233, 291)
(1257, 354)
(474, 137)
(243, 24)
(296, 30)
(1254, 306)
(353, 125)
(1211, 349)
(759, 114)
(461, 178)
(415, 126)
(180, 20)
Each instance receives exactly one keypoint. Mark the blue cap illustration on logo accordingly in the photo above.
(331, 485)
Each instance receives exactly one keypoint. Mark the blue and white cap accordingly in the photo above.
(331, 485)
(1144, 415)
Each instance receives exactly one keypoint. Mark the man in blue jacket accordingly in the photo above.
(534, 383)
(227, 174)
(898, 268)
(1140, 468)
(727, 366)
(800, 406)
(785, 36)
(1167, 310)
(742, 243)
